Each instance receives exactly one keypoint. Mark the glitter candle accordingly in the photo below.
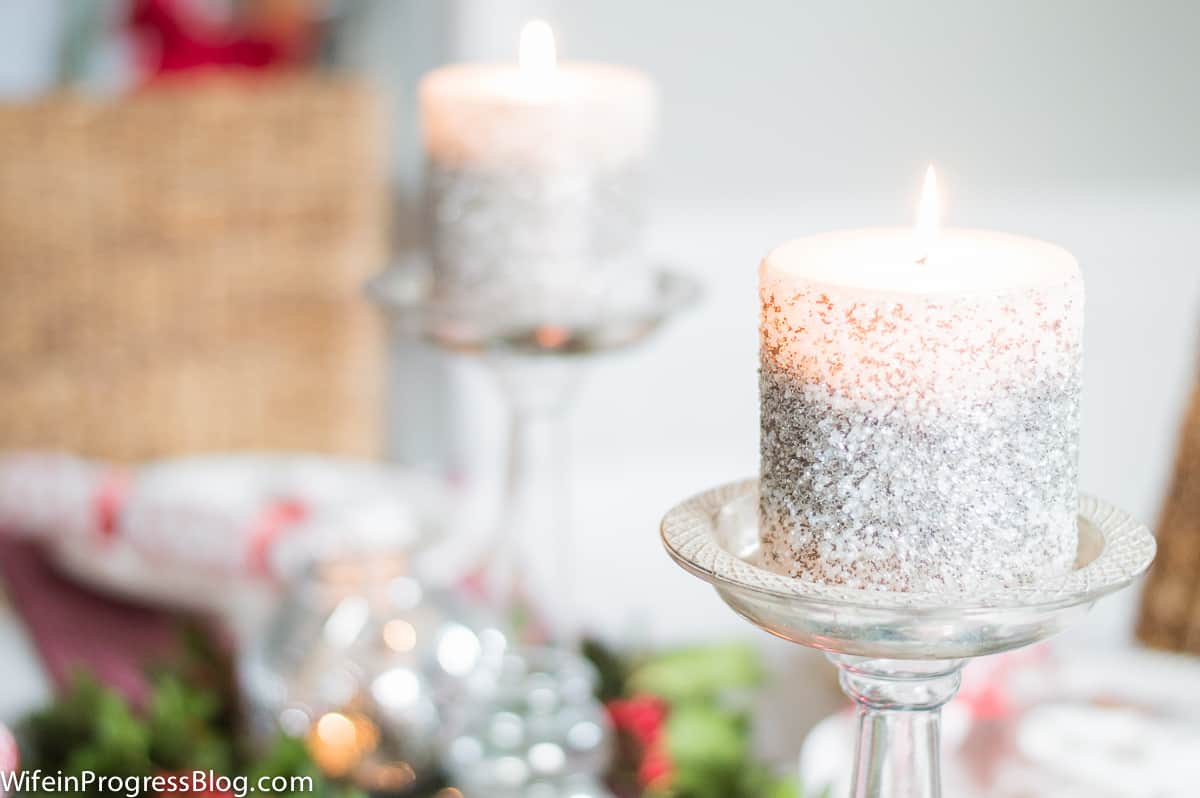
(919, 408)
(534, 180)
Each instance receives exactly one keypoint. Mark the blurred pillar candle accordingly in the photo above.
(920, 407)
(535, 182)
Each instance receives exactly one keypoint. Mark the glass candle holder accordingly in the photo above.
(370, 667)
(898, 653)
(535, 729)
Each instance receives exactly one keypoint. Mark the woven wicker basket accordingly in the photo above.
(182, 269)
(1170, 616)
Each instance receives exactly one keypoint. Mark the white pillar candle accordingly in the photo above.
(919, 408)
(535, 178)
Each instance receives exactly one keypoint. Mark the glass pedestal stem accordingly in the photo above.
(530, 573)
(899, 723)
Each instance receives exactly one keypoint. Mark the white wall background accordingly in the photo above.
(770, 100)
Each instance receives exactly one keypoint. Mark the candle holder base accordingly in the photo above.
(899, 654)
(407, 297)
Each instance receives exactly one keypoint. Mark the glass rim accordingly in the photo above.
(689, 532)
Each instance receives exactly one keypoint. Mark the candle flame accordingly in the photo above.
(538, 54)
(928, 213)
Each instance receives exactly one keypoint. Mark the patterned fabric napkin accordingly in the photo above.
(73, 628)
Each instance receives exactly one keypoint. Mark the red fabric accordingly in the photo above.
(271, 525)
(172, 40)
(644, 719)
(987, 692)
(110, 500)
(73, 628)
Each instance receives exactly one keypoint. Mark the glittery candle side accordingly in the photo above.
(542, 247)
(919, 442)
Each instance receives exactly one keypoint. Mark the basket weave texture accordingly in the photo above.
(181, 269)
(1170, 614)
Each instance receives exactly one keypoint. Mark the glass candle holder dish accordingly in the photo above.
(899, 654)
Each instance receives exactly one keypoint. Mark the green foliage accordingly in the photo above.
(186, 725)
(708, 732)
(612, 668)
(89, 728)
(713, 757)
(188, 722)
(698, 674)
(185, 731)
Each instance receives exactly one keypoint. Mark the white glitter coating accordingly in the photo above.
(919, 442)
(533, 247)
